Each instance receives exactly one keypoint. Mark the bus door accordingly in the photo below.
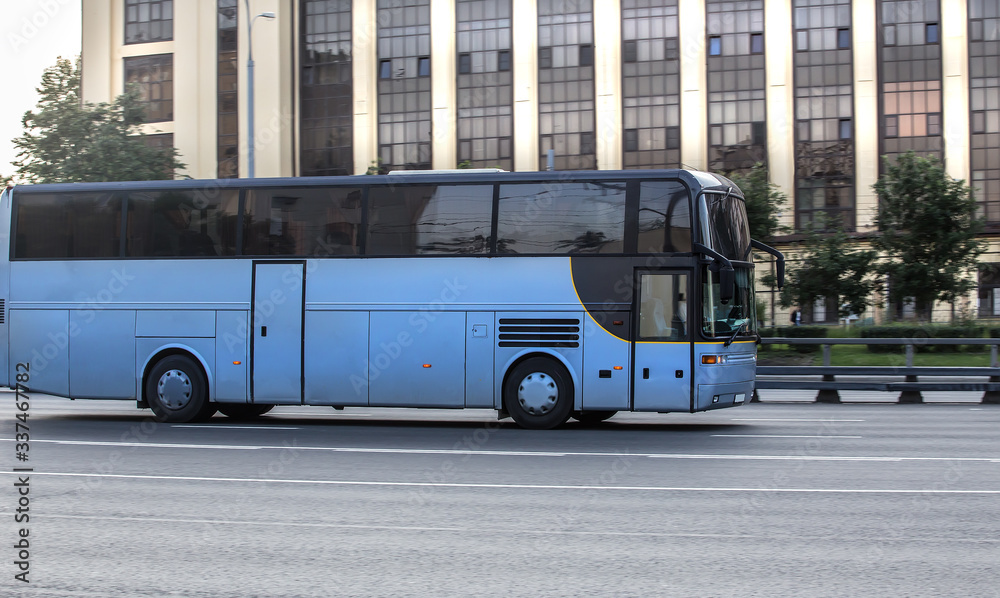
(277, 326)
(662, 346)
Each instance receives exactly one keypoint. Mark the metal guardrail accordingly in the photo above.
(911, 386)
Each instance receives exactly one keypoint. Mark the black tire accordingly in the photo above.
(538, 394)
(176, 391)
(243, 410)
(592, 417)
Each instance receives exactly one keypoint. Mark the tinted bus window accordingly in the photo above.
(561, 218)
(728, 225)
(182, 223)
(302, 221)
(664, 217)
(429, 219)
(68, 225)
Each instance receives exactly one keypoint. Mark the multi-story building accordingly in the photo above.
(816, 89)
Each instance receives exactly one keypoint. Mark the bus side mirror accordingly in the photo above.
(727, 284)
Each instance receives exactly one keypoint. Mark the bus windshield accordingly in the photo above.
(728, 227)
(722, 319)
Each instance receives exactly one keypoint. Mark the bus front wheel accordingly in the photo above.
(176, 391)
(243, 410)
(538, 394)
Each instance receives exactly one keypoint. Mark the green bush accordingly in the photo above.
(925, 332)
(803, 332)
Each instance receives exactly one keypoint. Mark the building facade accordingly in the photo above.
(816, 89)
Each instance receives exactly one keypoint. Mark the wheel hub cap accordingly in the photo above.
(174, 389)
(537, 393)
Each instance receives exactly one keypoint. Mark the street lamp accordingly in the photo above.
(269, 16)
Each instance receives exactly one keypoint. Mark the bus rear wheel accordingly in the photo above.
(243, 410)
(176, 391)
(538, 394)
(592, 417)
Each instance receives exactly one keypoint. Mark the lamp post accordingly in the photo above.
(250, 21)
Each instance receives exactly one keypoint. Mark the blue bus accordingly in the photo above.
(542, 295)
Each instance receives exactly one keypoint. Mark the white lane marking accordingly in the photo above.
(404, 528)
(224, 427)
(778, 436)
(501, 486)
(763, 419)
(401, 451)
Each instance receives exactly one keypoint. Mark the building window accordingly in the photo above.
(932, 36)
(650, 84)
(933, 124)
(544, 58)
(149, 21)
(892, 126)
(485, 90)
(756, 43)
(153, 76)
(630, 51)
(909, 78)
(736, 86)
(385, 69)
(824, 112)
(566, 117)
(227, 100)
(989, 290)
(845, 129)
(326, 83)
(715, 46)
(404, 98)
(843, 39)
(984, 100)
(503, 60)
(464, 64)
(631, 140)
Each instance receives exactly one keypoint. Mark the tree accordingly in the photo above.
(928, 227)
(67, 140)
(764, 202)
(832, 268)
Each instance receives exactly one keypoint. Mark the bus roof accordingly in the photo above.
(697, 180)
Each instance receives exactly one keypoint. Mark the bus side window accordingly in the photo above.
(664, 217)
(68, 225)
(302, 221)
(430, 220)
(559, 219)
(181, 223)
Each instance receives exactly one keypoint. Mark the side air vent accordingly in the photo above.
(3, 310)
(539, 333)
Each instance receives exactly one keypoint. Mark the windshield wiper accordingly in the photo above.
(735, 334)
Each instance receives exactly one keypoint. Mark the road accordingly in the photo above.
(764, 500)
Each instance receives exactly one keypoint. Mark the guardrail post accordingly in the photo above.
(910, 396)
(827, 395)
(992, 396)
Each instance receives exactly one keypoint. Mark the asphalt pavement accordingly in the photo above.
(770, 499)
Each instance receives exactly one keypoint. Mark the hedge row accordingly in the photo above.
(796, 332)
(919, 333)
